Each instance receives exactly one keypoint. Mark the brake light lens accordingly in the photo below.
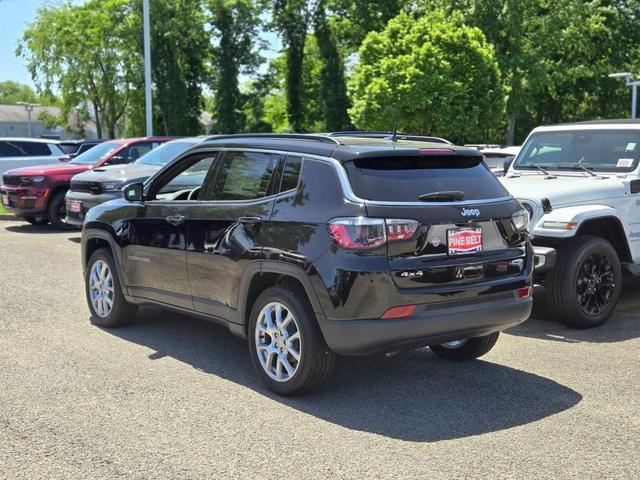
(524, 292)
(436, 151)
(362, 233)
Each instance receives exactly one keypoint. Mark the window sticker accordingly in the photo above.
(630, 147)
(625, 162)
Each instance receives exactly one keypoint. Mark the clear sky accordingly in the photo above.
(14, 17)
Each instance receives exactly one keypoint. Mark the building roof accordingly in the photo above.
(18, 114)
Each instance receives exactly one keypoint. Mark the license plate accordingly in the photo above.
(5, 200)
(461, 241)
(75, 207)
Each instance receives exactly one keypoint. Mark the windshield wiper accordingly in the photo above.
(442, 196)
(578, 166)
(539, 168)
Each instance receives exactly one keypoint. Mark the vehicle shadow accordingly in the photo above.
(38, 229)
(414, 396)
(623, 325)
(77, 240)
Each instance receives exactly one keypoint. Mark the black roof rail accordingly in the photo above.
(289, 136)
(380, 134)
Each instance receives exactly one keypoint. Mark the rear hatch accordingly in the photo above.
(464, 232)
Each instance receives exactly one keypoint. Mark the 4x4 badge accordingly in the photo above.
(470, 212)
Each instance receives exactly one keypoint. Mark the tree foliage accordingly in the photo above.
(430, 74)
(234, 29)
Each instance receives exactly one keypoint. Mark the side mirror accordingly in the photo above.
(116, 160)
(133, 192)
(507, 163)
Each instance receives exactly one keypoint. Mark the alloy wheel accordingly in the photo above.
(101, 288)
(278, 343)
(595, 284)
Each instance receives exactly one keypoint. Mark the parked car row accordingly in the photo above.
(351, 243)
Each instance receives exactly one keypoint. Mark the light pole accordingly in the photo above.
(628, 76)
(147, 67)
(29, 107)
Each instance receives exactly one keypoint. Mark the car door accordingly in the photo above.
(154, 250)
(225, 227)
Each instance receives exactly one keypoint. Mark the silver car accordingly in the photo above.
(100, 185)
(27, 152)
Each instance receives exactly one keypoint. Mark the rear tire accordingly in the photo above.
(471, 349)
(584, 286)
(57, 212)
(282, 326)
(102, 286)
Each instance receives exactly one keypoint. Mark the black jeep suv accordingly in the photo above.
(316, 245)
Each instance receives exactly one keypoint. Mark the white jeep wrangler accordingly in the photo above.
(581, 185)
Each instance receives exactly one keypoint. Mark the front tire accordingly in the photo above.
(584, 286)
(469, 349)
(57, 212)
(286, 345)
(107, 304)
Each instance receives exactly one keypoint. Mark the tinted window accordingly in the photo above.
(604, 150)
(9, 150)
(185, 183)
(85, 146)
(244, 176)
(496, 161)
(96, 154)
(24, 149)
(69, 148)
(404, 179)
(166, 152)
(291, 173)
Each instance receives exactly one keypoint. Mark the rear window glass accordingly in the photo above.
(404, 179)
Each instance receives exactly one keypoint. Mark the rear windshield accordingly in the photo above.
(405, 179)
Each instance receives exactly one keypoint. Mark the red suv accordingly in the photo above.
(36, 194)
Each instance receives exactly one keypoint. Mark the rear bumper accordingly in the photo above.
(430, 324)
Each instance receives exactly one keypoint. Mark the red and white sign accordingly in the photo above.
(5, 200)
(461, 241)
(75, 206)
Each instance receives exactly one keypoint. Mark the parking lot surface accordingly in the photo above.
(176, 397)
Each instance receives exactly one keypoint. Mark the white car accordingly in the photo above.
(495, 158)
(581, 185)
(27, 152)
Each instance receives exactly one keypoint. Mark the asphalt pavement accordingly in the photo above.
(172, 397)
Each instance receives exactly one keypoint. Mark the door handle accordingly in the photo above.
(175, 219)
(250, 220)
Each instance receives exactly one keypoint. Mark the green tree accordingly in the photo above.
(234, 28)
(77, 50)
(13, 92)
(333, 86)
(430, 74)
(292, 19)
(179, 49)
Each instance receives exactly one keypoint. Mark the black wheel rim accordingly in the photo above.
(596, 284)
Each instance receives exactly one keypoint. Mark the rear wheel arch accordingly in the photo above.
(261, 275)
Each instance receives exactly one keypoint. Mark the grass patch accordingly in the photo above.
(3, 210)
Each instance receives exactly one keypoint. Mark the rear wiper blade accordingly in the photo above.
(442, 196)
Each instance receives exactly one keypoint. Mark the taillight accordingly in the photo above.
(401, 229)
(367, 233)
